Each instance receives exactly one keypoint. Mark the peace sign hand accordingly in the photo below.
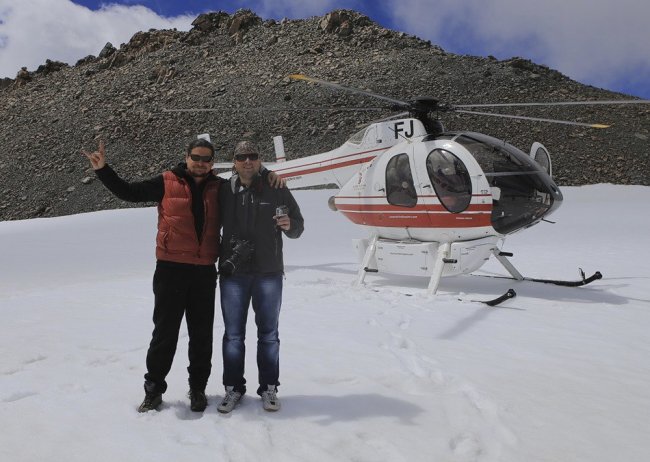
(98, 158)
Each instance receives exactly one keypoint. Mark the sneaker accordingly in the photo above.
(198, 401)
(151, 402)
(270, 399)
(229, 401)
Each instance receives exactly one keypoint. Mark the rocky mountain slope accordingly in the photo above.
(239, 62)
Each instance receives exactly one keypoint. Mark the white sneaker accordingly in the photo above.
(270, 399)
(229, 401)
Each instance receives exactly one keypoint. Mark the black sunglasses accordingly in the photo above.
(243, 157)
(197, 158)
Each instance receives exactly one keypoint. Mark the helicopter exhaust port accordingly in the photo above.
(331, 204)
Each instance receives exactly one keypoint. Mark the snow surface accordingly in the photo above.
(381, 373)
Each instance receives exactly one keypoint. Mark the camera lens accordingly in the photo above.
(242, 253)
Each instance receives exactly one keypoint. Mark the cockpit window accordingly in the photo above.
(450, 180)
(400, 189)
(496, 157)
(522, 191)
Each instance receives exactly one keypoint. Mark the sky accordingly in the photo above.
(380, 373)
(596, 42)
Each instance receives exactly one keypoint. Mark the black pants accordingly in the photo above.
(181, 289)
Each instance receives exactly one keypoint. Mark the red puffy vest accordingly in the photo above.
(177, 240)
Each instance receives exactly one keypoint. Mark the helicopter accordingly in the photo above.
(436, 203)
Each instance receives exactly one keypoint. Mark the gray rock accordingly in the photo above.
(108, 50)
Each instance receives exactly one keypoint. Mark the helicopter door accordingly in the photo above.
(450, 179)
(540, 155)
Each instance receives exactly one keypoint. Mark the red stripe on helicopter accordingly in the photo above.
(420, 208)
(331, 166)
(419, 220)
(327, 167)
(421, 196)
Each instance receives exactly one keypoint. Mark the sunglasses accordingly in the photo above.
(197, 158)
(243, 157)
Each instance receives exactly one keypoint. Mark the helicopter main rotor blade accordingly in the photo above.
(277, 109)
(348, 89)
(563, 103)
(537, 119)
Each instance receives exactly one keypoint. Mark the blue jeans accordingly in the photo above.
(237, 292)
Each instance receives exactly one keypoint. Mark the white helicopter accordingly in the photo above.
(436, 203)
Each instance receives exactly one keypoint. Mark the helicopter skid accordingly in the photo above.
(509, 294)
(516, 275)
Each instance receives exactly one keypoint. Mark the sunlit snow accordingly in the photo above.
(381, 373)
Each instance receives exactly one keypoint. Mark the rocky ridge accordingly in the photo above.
(236, 63)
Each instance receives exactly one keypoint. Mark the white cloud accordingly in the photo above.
(35, 30)
(599, 42)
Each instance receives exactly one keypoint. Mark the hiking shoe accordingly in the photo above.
(198, 401)
(229, 401)
(151, 402)
(270, 399)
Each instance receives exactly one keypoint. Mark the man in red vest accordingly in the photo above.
(187, 247)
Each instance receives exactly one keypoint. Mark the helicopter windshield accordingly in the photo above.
(523, 192)
(357, 138)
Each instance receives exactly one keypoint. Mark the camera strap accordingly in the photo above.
(244, 228)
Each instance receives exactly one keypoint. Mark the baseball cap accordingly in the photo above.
(246, 147)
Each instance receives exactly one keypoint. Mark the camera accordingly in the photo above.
(280, 212)
(242, 252)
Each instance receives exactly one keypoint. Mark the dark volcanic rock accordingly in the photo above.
(237, 63)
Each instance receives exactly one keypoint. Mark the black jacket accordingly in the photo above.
(247, 214)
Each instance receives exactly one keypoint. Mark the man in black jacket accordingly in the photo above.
(251, 267)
